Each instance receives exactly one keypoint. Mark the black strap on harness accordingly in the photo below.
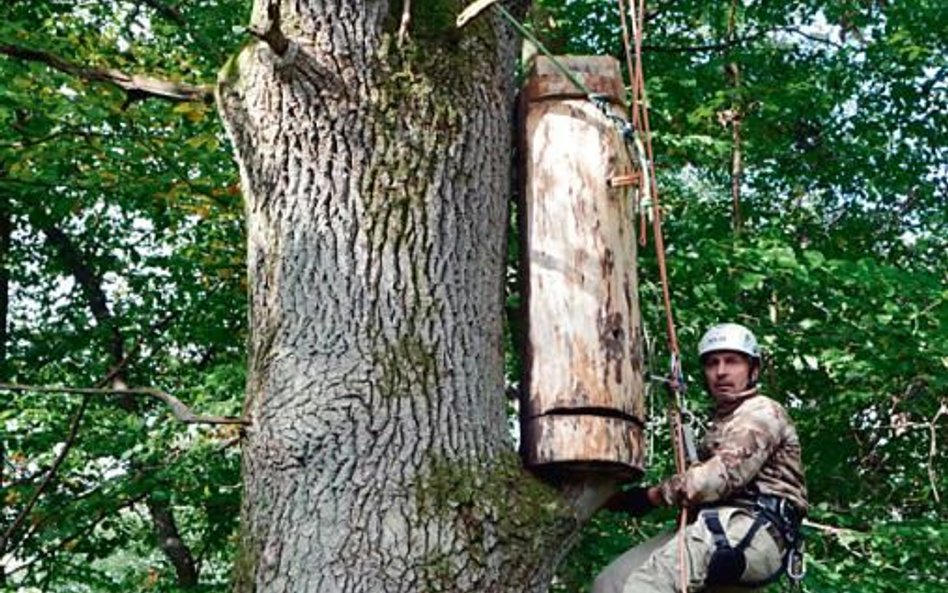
(728, 562)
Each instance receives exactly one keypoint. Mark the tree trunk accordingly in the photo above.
(376, 180)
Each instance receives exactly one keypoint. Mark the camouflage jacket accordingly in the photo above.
(752, 448)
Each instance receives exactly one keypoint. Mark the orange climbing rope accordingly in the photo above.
(649, 186)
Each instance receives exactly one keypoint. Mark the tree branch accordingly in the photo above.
(79, 533)
(60, 458)
(3, 461)
(832, 529)
(472, 10)
(6, 233)
(737, 41)
(811, 37)
(183, 564)
(899, 424)
(170, 542)
(180, 411)
(733, 73)
(62, 129)
(169, 12)
(406, 21)
(712, 47)
(169, 539)
(91, 285)
(272, 35)
(136, 86)
(933, 450)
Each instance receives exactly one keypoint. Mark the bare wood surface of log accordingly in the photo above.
(583, 399)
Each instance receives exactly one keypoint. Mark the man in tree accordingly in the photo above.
(746, 496)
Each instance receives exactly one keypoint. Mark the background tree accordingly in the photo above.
(125, 262)
(122, 258)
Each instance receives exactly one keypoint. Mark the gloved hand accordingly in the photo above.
(634, 502)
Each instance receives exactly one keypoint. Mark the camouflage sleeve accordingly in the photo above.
(739, 452)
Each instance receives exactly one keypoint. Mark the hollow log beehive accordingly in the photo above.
(582, 406)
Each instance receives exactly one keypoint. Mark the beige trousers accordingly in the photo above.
(652, 567)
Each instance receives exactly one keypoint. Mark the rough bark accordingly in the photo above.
(735, 117)
(376, 179)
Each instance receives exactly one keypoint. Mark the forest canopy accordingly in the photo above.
(800, 150)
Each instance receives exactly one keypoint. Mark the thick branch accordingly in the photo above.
(587, 496)
(91, 285)
(169, 539)
(272, 35)
(181, 411)
(170, 542)
(137, 86)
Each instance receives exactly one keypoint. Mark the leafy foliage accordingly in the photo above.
(838, 266)
(126, 252)
(125, 249)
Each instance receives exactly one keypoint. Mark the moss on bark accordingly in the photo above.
(501, 490)
(430, 19)
(407, 367)
(489, 505)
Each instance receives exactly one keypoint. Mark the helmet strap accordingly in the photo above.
(754, 373)
(751, 390)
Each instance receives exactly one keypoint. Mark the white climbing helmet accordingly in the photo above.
(729, 336)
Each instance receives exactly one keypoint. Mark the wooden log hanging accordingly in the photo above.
(582, 408)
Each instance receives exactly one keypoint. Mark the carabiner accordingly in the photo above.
(796, 565)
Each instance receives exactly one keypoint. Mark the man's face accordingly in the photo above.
(727, 373)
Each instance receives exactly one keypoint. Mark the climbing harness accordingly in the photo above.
(728, 562)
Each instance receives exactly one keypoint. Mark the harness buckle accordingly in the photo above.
(781, 509)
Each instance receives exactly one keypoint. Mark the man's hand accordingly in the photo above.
(635, 502)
